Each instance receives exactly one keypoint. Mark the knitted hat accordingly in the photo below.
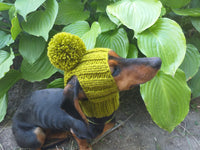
(67, 52)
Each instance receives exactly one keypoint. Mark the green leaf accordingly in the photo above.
(175, 3)
(166, 40)
(191, 62)
(193, 12)
(116, 40)
(101, 5)
(196, 23)
(31, 47)
(5, 6)
(71, 11)
(106, 24)
(15, 29)
(78, 28)
(194, 84)
(6, 39)
(132, 52)
(6, 60)
(40, 22)
(194, 39)
(89, 38)
(57, 83)
(83, 30)
(135, 14)
(3, 106)
(41, 69)
(24, 7)
(8, 81)
(167, 99)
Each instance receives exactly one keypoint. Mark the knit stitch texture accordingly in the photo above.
(95, 78)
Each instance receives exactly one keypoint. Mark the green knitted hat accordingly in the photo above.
(67, 52)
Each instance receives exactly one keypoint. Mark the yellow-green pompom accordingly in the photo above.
(65, 50)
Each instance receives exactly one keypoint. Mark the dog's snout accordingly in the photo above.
(156, 62)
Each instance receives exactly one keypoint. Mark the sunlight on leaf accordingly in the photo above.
(169, 103)
(116, 40)
(166, 40)
(78, 28)
(89, 38)
(24, 7)
(40, 22)
(135, 14)
(6, 60)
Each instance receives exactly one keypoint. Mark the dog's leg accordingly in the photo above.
(82, 143)
(29, 136)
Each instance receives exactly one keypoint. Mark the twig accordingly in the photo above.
(111, 130)
(190, 135)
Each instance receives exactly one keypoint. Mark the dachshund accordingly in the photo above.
(54, 113)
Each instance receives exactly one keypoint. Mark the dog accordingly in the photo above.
(53, 113)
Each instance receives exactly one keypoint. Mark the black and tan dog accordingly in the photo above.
(48, 110)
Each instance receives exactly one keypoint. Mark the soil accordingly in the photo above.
(138, 132)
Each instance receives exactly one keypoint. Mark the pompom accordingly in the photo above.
(65, 50)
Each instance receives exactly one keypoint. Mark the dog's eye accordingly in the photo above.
(116, 71)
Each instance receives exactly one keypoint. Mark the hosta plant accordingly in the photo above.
(168, 29)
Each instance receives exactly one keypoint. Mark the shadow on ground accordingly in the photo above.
(138, 132)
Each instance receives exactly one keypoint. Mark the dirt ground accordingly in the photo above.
(134, 129)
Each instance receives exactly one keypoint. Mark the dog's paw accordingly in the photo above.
(80, 129)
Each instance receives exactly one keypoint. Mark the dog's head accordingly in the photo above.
(100, 72)
(129, 73)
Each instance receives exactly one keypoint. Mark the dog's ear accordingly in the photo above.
(74, 91)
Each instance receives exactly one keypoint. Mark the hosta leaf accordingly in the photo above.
(78, 28)
(116, 40)
(6, 39)
(166, 40)
(40, 22)
(71, 11)
(193, 12)
(194, 84)
(191, 62)
(167, 99)
(106, 24)
(15, 29)
(101, 5)
(135, 14)
(31, 47)
(132, 52)
(196, 23)
(3, 106)
(41, 69)
(194, 39)
(8, 81)
(57, 83)
(175, 3)
(24, 7)
(6, 60)
(89, 38)
(194, 4)
(5, 6)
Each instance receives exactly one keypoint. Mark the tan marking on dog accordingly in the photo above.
(40, 135)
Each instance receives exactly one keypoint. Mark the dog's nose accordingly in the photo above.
(156, 62)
